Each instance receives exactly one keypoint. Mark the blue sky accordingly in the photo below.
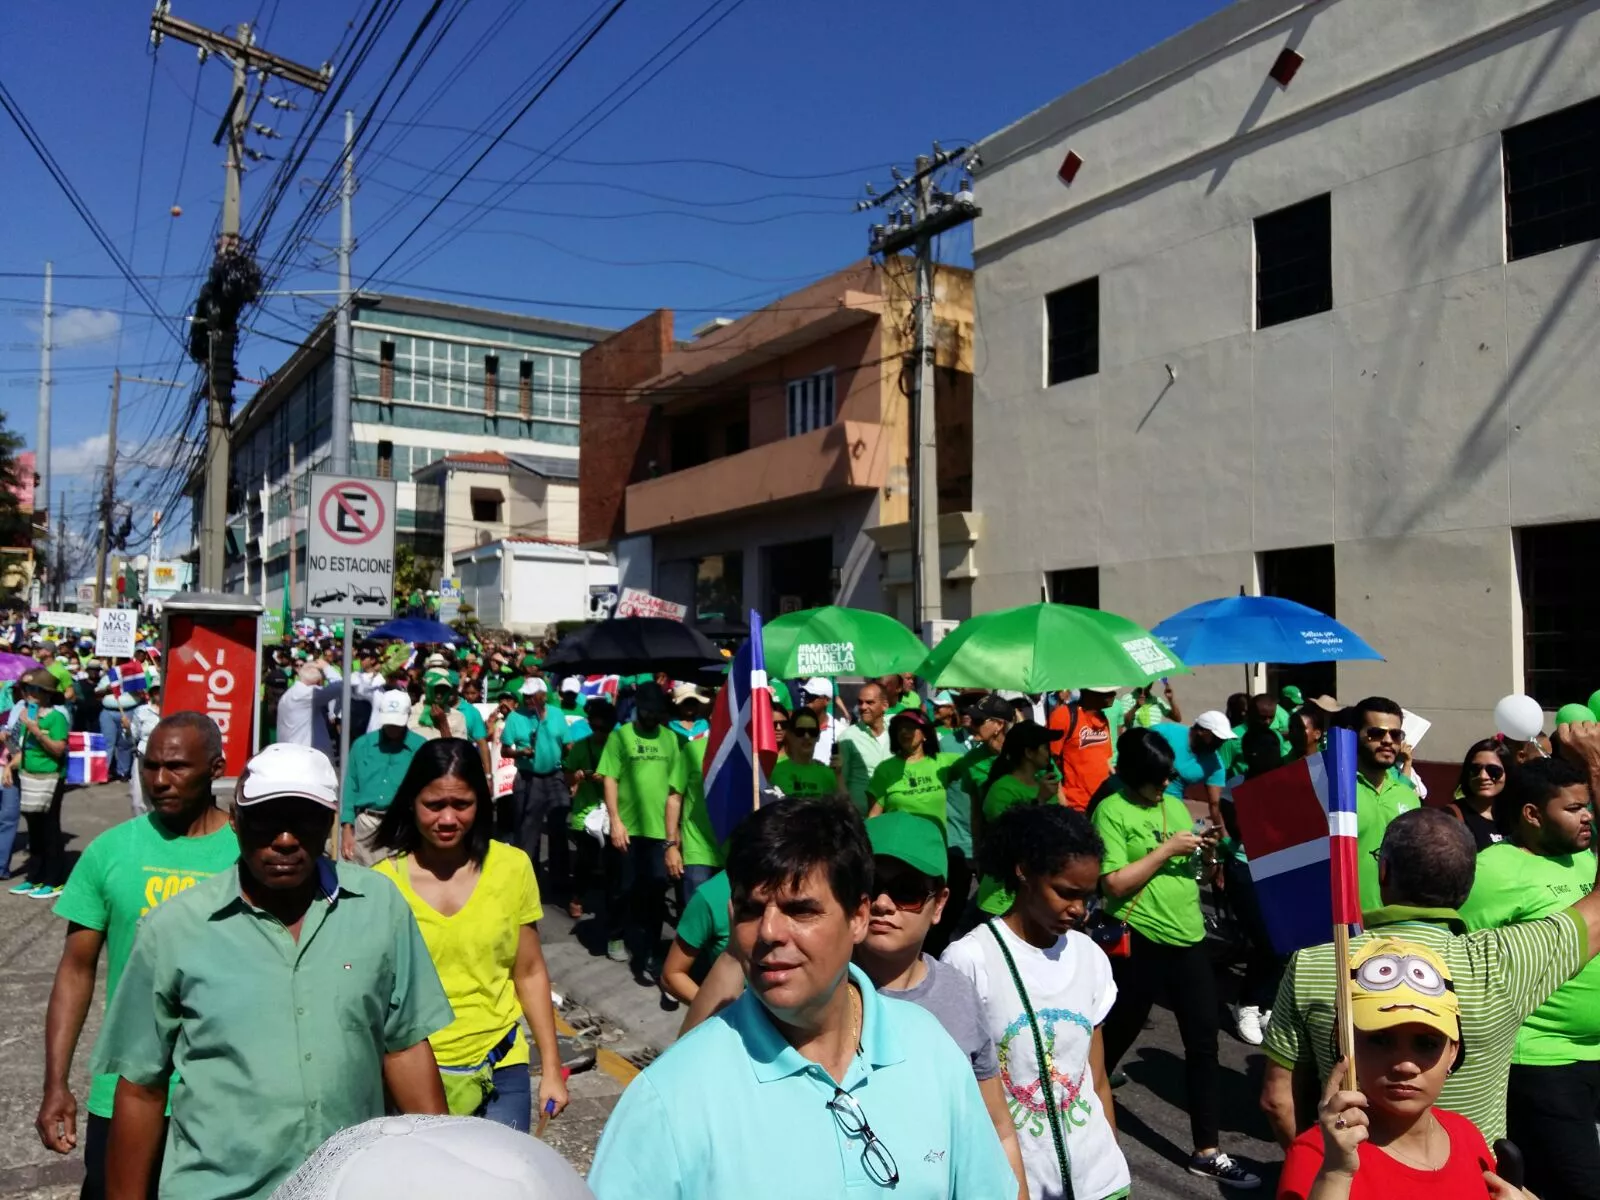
(789, 108)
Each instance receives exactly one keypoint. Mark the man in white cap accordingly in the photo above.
(289, 993)
(1197, 758)
(536, 739)
(570, 706)
(818, 695)
(378, 762)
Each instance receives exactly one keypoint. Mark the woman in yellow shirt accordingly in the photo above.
(477, 904)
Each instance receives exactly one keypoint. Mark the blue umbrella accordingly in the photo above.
(417, 629)
(1258, 629)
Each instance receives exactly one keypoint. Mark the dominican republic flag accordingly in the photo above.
(602, 687)
(87, 760)
(742, 740)
(129, 678)
(1298, 824)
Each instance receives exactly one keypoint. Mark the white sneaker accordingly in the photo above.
(1250, 1025)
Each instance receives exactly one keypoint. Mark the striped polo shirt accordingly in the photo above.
(1501, 975)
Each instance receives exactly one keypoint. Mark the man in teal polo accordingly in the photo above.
(536, 738)
(822, 1087)
(1382, 792)
(378, 762)
(290, 994)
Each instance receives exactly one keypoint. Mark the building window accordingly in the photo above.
(1077, 585)
(810, 403)
(486, 503)
(1561, 643)
(385, 460)
(1294, 262)
(491, 382)
(1072, 332)
(719, 587)
(386, 370)
(1552, 168)
(1305, 575)
(525, 388)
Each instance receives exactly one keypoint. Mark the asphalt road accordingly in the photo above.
(626, 1022)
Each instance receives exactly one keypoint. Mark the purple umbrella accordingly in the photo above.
(13, 665)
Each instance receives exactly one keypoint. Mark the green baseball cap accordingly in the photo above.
(915, 841)
(1291, 695)
(532, 660)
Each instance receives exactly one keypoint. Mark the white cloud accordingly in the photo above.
(80, 458)
(88, 456)
(79, 327)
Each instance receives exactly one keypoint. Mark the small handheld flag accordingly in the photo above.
(742, 747)
(87, 760)
(1298, 824)
(129, 678)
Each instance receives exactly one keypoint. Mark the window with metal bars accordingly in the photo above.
(1072, 332)
(1561, 642)
(1294, 262)
(810, 403)
(1552, 170)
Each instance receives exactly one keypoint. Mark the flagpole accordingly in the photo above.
(1344, 1029)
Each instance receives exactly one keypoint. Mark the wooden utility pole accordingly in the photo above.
(234, 277)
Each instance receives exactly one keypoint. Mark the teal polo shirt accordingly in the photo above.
(279, 1043)
(734, 1111)
(548, 739)
(1187, 766)
(376, 769)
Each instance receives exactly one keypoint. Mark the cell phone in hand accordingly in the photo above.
(1508, 1163)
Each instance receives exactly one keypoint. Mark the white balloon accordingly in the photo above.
(1519, 717)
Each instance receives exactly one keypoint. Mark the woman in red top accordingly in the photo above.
(1388, 1140)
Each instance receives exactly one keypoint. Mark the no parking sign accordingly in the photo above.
(350, 547)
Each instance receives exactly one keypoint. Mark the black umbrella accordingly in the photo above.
(634, 646)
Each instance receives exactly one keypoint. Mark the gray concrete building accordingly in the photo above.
(1305, 300)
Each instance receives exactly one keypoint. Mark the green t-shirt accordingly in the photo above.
(1375, 809)
(916, 787)
(36, 760)
(69, 684)
(1511, 886)
(544, 736)
(642, 764)
(704, 924)
(804, 779)
(700, 848)
(584, 755)
(994, 895)
(957, 802)
(1166, 909)
(123, 874)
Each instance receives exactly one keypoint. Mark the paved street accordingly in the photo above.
(624, 1020)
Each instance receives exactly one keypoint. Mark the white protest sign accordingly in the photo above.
(114, 632)
(66, 620)
(350, 547)
(634, 602)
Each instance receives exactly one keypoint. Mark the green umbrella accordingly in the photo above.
(1048, 648)
(839, 641)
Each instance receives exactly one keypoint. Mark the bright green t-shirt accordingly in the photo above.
(64, 677)
(36, 760)
(1511, 886)
(1375, 809)
(995, 896)
(584, 755)
(1166, 909)
(917, 787)
(642, 765)
(704, 924)
(123, 874)
(700, 848)
(804, 779)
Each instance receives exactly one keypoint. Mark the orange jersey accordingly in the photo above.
(1083, 754)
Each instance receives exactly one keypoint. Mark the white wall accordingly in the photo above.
(1446, 398)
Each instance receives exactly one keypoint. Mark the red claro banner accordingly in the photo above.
(211, 668)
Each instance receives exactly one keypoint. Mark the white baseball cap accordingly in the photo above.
(1216, 724)
(393, 708)
(687, 691)
(534, 686)
(289, 769)
(571, 685)
(435, 660)
(818, 687)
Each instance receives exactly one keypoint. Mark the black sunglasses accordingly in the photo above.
(909, 891)
(1494, 771)
(1376, 733)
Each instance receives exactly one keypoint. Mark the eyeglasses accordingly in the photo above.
(875, 1156)
(1376, 733)
(1494, 771)
(908, 893)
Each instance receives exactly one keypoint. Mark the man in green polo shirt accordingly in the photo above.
(378, 762)
(290, 994)
(536, 739)
(1427, 865)
(863, 745)
(1382, 793)
(125, 873)
(1547, 864)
